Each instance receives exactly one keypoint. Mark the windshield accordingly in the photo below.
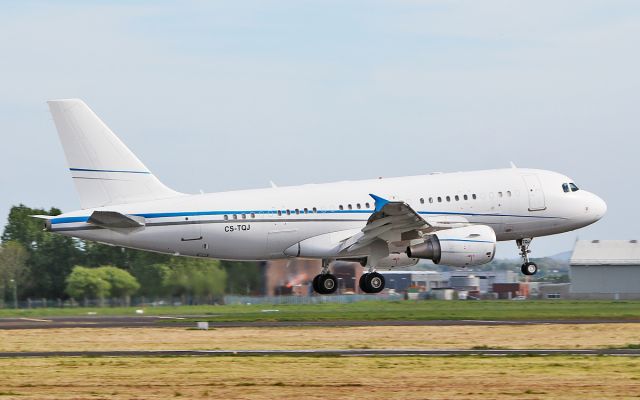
(573, 187)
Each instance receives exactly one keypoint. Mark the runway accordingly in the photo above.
(93, 321)
(328, 353)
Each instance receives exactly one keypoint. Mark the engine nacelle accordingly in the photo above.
(458, 247)
(394, 260)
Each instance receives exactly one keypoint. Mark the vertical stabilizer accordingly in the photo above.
(104, 170)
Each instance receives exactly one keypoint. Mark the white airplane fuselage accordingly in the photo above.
(264, 224)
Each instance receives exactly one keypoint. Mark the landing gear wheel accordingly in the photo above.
(529, 268)
(325, 284)
(372, 282)
(314, 284)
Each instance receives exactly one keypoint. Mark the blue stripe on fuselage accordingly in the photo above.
(67, 220)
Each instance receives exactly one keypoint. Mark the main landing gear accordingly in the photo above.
(528, 267)
(326, 283)
(371, 282)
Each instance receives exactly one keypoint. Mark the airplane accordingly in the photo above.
(452, 219)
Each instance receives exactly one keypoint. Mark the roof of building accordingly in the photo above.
(606, 252)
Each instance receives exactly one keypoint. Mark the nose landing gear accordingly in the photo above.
(528, 267)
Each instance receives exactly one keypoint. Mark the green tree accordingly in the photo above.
(51, 257)
(122, 284)
(153, 279)
(87, 283)
(243, 278)
(198, 280)
(13, 268)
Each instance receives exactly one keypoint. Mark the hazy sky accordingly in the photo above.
(229, 95)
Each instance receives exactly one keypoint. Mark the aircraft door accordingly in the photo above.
(535, 192)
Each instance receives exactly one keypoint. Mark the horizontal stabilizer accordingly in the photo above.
(113, 219)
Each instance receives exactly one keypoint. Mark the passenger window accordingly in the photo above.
(288, 212)
(340, 207)
(235, 216)
(508, 193)
(430, 199)
(279, 213)
(457, 198)
(473, 196)
(573, 187)
(244, 216)
(315, 210)
(439, 199)
(367, 205)
(565, 187)
(358, 206)
(226, 217)
(465, 197)
(448, 198)
(499, 194)
(297, 211)
(421, 200)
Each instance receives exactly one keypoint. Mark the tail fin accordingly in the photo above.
(103, 169)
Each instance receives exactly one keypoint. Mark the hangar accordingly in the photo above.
(605, 269)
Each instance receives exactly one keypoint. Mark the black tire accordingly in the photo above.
(372, 282)
(314, 284)
(529, 268)
(375, 282)
(327, 284)
(362, 282)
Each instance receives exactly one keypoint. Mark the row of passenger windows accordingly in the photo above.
(359, 206)
(296, 211)
(465, 197)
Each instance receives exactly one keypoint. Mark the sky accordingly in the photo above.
(218, 96)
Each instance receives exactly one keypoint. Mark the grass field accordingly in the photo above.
(371, 337)
(376, 310)
(556, 377)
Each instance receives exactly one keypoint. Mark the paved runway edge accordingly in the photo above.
(327, 353)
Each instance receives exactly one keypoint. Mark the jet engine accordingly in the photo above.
(458, 247)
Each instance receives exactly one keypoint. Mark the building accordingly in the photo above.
(421, 281)
(511, 290)
(605, 269)
(485, 279)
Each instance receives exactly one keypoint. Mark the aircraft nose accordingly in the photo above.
(597, 207)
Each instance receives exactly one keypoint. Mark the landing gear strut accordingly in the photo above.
(528, 267)
(325, 283)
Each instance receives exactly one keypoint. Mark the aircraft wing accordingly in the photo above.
(391, 221)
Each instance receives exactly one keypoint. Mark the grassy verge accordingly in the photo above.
(321, 378)
(374, 310)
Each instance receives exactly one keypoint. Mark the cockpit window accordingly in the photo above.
(565, 187)
(573, 187)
